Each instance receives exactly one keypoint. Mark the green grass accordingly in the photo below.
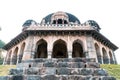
(4, 69)
(113, 70)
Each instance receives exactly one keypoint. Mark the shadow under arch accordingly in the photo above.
(111, 57)
(97, 48)
(14, 57)
(41, 49)
(77, 49)
(21, 52)
(59, 49)
(105, 56)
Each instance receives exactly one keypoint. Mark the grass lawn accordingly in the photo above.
(4, 69)
(113, 70)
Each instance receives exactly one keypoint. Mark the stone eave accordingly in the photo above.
(16, 40)
(99, 37)
(95, 34)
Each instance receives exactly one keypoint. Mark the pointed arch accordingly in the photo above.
(77, 49)
(59, 49)
(14, 57)
(111, 58)
(105, 57)
(99, 58)
(41, 49)
(21, 52)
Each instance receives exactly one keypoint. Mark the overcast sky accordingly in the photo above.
(13, 13)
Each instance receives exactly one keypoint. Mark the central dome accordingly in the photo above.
(60, 18)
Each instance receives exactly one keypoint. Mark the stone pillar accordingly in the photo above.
(29, 48)
(17, 59)
(69, 48)
(90, 47)
(114, 58)
(108, 57)
(85, 49)
(49, 54)
(69, 54)
(101, 55)
(11, 61)
(5, 59)
(49, 49)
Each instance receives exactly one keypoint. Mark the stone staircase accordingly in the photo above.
(58, 69)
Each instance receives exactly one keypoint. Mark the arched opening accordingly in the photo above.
(77, 49)
(65, 22)
(54, 21)
(59, 21)
(9, 57)
(111, 58)
(59, 49)
(99, 58)
(105, 57)
(21, 53)
(41, 49)
(14, 57)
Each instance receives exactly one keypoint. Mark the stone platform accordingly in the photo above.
(58, 69)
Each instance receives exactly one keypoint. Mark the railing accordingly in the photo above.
(60, 27)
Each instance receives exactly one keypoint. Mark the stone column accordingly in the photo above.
(114, 58)
(28, 51)
(49, 49)
(69, 54)
(108, 57)
(49, 54)
(90, 47)
(5, 59)
(11, 61)
(101, 55)
(69, 48)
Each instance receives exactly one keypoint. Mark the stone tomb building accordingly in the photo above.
(59, 48)
(60, 35)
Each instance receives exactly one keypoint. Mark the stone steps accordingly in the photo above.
(56, 77)
(38, 60)
(60, 64)
(58, 69)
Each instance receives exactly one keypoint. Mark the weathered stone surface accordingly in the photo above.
(63, 71)
(86, 71)
(33, 77)
(78, 77)
(93, 65)
(4, 77)
(58, 69)
(63, 77)
(50, 77)
(108, 78)
(17, 71)
(50, 71)
(76, 65)
(49, 64)
(96, 78)
(100, 72)
(31, 71)
(17, 77)
(62, 64)
(74, 71)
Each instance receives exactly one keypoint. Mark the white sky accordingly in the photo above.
(13, 13)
